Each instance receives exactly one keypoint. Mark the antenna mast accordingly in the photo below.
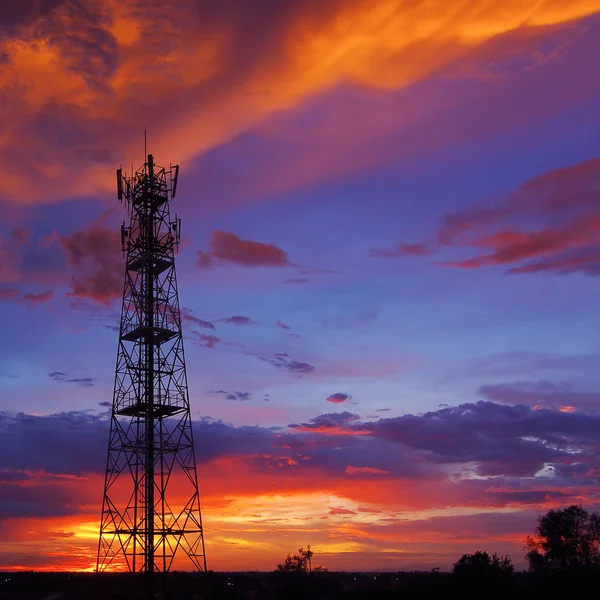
(151, 505)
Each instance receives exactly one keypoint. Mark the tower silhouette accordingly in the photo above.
(151, 505)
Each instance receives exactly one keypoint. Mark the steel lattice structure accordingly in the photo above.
(151, 505)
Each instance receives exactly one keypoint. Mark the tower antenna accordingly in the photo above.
(151, 506)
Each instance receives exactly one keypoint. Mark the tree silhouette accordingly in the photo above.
(299, 563)
(565, 540)
(482, 564)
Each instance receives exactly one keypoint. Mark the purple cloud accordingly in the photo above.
(188, 316)
(238, 320)
(238, 396)
(63, 377)
(287, 363)
(401, 250)
(541, 394)
(205, 341)
(508, 443)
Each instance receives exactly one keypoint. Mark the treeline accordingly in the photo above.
(563, 559)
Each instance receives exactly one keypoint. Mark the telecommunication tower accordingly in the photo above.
(151, 505)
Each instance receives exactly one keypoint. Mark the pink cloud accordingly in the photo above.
(9, 294)
(22, 235)
(9, 261)
(564, 204)
(93, 254)
(33, 299)
(230, 248)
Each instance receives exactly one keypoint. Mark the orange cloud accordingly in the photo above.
(245, 508)
(260, 493)
(350, 470)
(80, 83)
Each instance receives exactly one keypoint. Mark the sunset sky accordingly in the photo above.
(389, 271)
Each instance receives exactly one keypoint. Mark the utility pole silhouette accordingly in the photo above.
(151, 505)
